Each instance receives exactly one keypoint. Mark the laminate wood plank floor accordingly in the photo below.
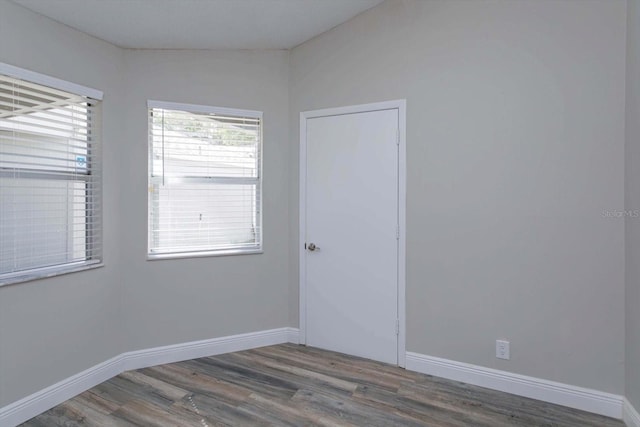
(291, 385)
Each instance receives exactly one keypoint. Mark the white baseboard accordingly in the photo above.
(43, 400)
(211, 347)
(593, 401)
(630, 416)
(293, 335)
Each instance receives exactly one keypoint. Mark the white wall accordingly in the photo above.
(633, 203)
(515, 148)
(172, 301)
(51, 329)
(515, 140)
(54, 328)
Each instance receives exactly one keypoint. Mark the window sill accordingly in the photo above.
(181, 255)
(45, 273)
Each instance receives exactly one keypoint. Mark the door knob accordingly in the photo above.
(312, 247)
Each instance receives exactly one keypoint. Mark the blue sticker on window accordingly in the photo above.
(81, 161)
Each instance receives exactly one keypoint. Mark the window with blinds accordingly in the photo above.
(50, 187)
(204, 180)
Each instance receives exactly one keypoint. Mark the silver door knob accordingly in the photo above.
(312, 247)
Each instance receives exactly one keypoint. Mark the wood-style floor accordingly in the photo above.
(290, 385)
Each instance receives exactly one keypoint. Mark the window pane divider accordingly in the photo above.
(168, 180)
(40, 174)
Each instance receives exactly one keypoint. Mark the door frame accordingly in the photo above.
(400, 105)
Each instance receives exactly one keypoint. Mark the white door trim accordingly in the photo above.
(401, 106)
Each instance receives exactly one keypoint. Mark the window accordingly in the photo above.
(204, 180)
(50, 216)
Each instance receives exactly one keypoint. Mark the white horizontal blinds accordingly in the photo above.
(49, 178)
(204, 181)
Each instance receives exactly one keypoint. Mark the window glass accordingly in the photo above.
(204, 180)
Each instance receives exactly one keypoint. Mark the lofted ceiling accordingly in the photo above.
(201, 24)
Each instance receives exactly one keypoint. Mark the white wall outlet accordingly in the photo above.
(502, 349)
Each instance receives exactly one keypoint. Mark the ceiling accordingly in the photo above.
(201, 24)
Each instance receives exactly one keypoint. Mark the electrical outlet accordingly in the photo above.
(502, 349)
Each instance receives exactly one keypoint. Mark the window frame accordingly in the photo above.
(95, 95)
(197, 108)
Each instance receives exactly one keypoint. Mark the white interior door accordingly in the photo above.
(351, 233)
